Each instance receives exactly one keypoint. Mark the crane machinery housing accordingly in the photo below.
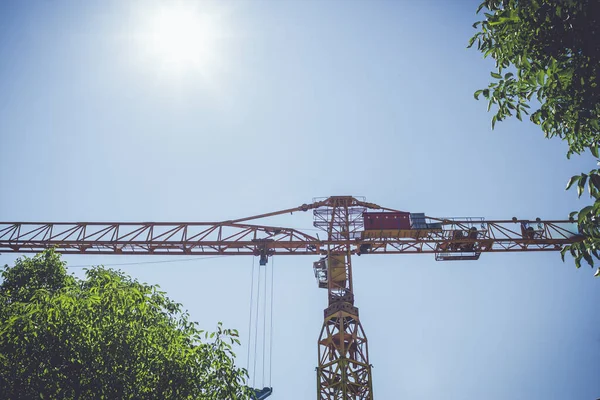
(353, 227)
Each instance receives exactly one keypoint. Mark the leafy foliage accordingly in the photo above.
(105, 337)
(547, 55)
(588, 219)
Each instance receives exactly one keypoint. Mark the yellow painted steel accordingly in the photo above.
(338, 270)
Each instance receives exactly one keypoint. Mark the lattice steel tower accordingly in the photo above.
(344, 371)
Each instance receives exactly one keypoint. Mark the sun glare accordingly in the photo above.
(180, 38)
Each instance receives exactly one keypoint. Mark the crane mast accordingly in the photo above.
(351, 227)
(344, 371)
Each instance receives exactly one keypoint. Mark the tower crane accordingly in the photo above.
(353, 227)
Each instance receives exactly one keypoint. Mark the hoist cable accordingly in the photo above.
(256, 328)
(264, 324)
(250, 318)
(265, 295)
(271, 328)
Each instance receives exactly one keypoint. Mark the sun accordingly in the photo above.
(180, 37)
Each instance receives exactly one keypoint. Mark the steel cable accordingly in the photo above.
(250, 318)
(256, 328)
(271, 328)
(264, 324)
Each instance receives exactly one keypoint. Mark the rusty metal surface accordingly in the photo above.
(241, 239)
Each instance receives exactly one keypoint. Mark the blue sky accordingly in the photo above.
(293, 100)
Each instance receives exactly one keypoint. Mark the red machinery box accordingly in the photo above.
(386, 220)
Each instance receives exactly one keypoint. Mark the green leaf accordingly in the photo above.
(597, 274)
(477, 93)
(471, 42)
(572, 214)
(496, 75)
(588, 258)
(581, 185)
(540, 77)
(572, 181)
(595, 180)
(563, 252)
(583, 213)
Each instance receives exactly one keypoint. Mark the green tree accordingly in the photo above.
(105, 337)
(547, 55)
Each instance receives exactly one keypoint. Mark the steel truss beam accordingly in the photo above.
(242, 239)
